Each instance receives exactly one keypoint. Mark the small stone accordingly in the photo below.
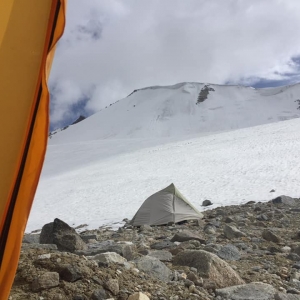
(99, 294)
(70, 273)
(138, 296)
(112, 285)
(209, 229)
(229, 252)
(78, 297)
(272, 191)
(44, 256)
(145, 228)
(187, 235)
(284, 296)
(108, 258)
(232, 232)
(228, 220)
(286, 249)
(45, 281)
(270, 236)
(163, 245)
(293, 257)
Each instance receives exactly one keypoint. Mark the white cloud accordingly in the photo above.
(112, 47)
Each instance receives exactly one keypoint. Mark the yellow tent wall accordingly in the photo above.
(29, 30)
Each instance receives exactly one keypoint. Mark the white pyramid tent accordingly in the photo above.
(167, 205)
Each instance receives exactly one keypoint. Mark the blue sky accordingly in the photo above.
(111, 47)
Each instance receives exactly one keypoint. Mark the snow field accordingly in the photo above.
(104, 181)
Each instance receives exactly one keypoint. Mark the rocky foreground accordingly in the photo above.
(244, 252)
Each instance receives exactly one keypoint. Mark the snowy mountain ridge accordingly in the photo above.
(185, 109)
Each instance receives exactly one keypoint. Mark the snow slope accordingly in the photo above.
(173, 111)
(103, 181)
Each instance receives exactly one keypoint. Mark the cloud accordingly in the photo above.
(112, 47)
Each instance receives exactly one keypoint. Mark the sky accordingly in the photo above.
(112, 47)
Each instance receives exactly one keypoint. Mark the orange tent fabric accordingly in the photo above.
(29, 31)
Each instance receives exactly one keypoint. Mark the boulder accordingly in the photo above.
(65, 237)
(154, 267)
(231, 232)
(163, 245)
(162, 255)
(209, 266)
(251, 291)
(206, 203)
(187, 235)
(46, 236)
(31, 238)
(45, 281)
(229, 252)
(285, 200)
(270, 236)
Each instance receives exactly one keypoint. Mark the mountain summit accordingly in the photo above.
(185, 109)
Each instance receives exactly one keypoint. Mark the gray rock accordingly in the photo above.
(79, 297)
(229, 252)
(209, 266)
(126, 250)
(286, 200)
(282, 296)
(296, 249)
(231, 232)
(209, 229)
(87, 237)
(46, 236)
(154, 267)
(39, 246)
(213, 248)
(112, 285)
(99, 294)
(65, 237)
(31, 238)
(45, 281)
(296, 266)
(187, 235)
(206, 203)
(108, 258)
(270, 236)
(228, 220)
(251, 291)
(145, 228)
(162, 255)
(163, 245)
(293, 291)
(293, 257)
(138, 296)
(70, 273)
